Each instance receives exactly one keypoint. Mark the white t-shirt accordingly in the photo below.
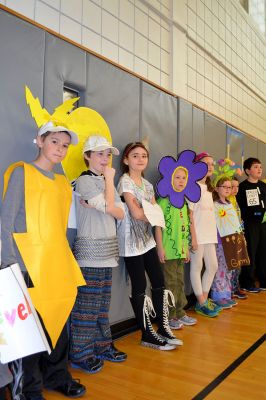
(134, 236)
(204, 217)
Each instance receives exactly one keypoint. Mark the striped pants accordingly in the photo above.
(90, 332)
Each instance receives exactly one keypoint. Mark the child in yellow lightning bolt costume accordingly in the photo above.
(44, 247)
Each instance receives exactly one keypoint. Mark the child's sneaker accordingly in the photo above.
(175, 323)
(90, 366)
(240, 295)
(214, 306)
(232, 302)
(187, 320)
(251, 290)
(112, 354)
(224, 303)
(205, 310)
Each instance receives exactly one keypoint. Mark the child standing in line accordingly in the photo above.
(138, 247)
(96, 250)
(203, 246)
(236, 291)
(227, 220)
(34, 218)
(251, 198)
(173, 251)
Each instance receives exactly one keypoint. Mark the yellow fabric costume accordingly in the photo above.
(44, 247)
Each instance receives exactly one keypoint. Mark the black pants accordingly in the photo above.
(2, 393)
(255, 233)
(136, 267)
(42, 369)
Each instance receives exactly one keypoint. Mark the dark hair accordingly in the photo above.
(208, 181)
(249, 162)
(129, 147)
(88, 154)
(209, 184)
(44, 135)
(235, 178)
(219, 183)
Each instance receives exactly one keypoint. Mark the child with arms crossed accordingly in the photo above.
(138, 247)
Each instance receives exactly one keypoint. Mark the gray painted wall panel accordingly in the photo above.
(21, 62)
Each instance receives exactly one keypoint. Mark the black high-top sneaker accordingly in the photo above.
(143, 308)
(161, 303)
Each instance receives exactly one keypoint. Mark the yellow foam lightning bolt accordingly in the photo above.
(40, 114)
(61, 113)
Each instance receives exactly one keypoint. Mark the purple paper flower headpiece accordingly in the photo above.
(194, 171)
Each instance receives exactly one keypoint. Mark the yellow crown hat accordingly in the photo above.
(83, 121)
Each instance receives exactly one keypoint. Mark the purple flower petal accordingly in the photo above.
(195, 170)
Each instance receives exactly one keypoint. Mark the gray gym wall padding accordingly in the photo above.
(262, 156)
(115, 95)
(185, 125)
(158, 123)
(214, 137)
(235, 143)
(251, 147)
(22, 62)
(198, 129)
(64, 65)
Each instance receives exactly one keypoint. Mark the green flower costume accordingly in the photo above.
(176, 236)
(176, 233)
